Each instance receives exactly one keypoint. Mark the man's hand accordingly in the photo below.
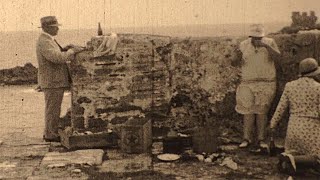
(77, 49)
(261, 44)
(70, 46)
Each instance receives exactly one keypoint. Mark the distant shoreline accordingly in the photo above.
(19, 75)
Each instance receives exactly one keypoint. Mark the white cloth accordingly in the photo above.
(108, 46)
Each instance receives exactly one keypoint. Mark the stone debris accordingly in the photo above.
(135, 163)
(208, 160)
(1, 142)
(81, 157)
(228, 147)
(229, 163)
(76, 171)
(58, 165)
(214, 155)
(200, 157)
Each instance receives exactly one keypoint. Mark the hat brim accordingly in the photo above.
(257, 35)
(313, 73)
(52, 25)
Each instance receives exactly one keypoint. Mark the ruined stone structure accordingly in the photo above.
(111, 89)
(176, 82)
(304, 20)
(301, 21)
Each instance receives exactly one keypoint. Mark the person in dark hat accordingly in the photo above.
(53, 74)
(257, 89)
(302, 98)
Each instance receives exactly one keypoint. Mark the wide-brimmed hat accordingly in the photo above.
(256, 30)
(309, 67)
(49, 21)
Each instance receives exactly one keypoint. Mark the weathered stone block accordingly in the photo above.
(81, 157)
(136, 135)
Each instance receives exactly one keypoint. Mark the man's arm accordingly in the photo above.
(272, 49)
(53, 54)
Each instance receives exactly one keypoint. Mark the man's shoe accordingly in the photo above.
(263, 145)
(244, 144)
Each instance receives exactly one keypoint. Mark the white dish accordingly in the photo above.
(168, 157)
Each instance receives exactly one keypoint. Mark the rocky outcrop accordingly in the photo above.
(19, 75)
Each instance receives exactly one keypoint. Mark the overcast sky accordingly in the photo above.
(16, 15)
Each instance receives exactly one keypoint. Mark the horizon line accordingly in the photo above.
(129, 27)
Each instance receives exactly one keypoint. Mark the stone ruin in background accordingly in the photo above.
(302, 21)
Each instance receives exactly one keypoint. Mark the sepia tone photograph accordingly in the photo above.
(159, 89)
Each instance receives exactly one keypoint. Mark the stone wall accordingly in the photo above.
(111, 89)
(178, 82)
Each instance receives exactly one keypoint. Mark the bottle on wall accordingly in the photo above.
(272, 147)
(99, 30)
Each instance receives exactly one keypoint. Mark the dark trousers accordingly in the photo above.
(53, 100)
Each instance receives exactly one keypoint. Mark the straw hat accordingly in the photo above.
(49, 21)
(309, 67)
(257, 30)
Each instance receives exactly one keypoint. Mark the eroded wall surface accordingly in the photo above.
(177, 82)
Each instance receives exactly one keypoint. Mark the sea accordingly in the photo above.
(22, 110)
(18, 47)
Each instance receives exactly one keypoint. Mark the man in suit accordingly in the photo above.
(53, 74)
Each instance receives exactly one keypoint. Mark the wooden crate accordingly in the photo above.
(136, 136)
(82, 141)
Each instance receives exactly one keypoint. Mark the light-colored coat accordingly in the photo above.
(53, 70)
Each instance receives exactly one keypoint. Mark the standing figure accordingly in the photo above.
(53, 74)
(257, 89)
(302, 98)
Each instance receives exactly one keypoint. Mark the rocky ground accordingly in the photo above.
(24, 157)
(23, 154)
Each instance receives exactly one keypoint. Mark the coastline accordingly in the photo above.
(19, 75)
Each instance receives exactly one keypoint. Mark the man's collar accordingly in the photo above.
(47, 34)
